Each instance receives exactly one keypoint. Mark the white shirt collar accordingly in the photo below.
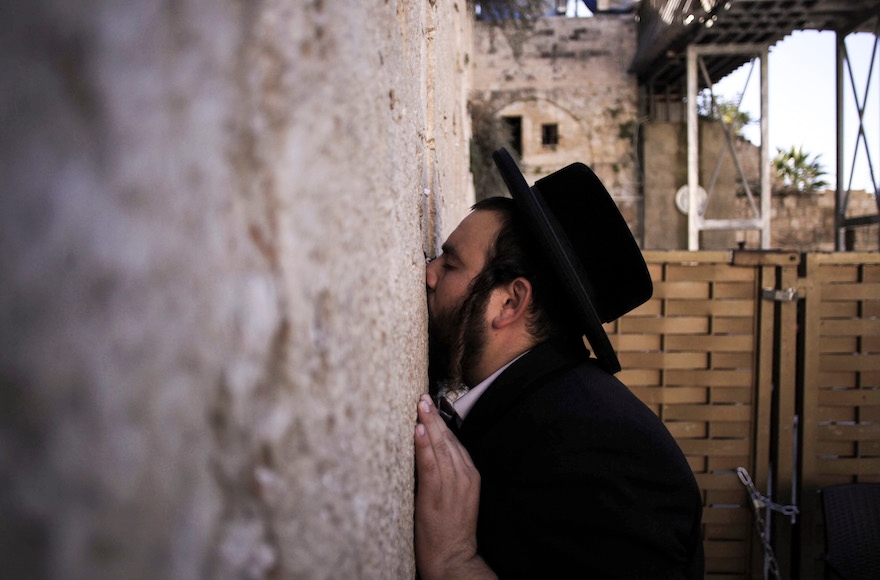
(466, 402)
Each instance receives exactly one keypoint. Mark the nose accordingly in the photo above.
(431, 274)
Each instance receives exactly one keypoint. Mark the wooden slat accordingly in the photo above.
(710, 307)
(723, 463)
(727, 481)
(837, 273)
(849, 466)
(849, 398)
(715, 447)
(688, 429)
(870, 414)
(731, 395)
(869, 449)
(827, 380)
(727, 497)
(764, 258)
(709, 273)
(839, 344)
(731, 429)
(732, 360)
(835, 448)
(686, 257)
(724, 290)
(707, 412)
(847, 309)
(871, 343)
(854, 291)
(849, 432)
(711, 343)
(682, 290)
(672, 396)
(733, 326)
(633, 377)
(851, 327)
(735, 378)
(725, 549)
(862, 362)
(725, 515)
(625, 342)
(682, 325)
(833, 415)
(653, 307)
(836, 259)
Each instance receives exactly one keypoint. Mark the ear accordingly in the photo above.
(513, 299)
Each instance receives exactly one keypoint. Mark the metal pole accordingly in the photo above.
(693, 149)
(839, 203)
(765, 150)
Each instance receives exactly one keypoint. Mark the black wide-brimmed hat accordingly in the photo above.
(590, 247)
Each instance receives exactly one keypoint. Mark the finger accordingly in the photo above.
(446, 445)
(426, 461)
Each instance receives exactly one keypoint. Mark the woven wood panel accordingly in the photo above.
(844, 390)
(689, 354)
(841, 412)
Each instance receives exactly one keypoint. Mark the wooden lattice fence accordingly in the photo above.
(768, 361)
(841, 387)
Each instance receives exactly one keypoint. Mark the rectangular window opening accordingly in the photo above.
(550, 135)
(514, 133)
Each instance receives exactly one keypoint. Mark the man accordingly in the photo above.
(557, 470)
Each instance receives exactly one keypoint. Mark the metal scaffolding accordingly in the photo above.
(697, 222)
(842, 223)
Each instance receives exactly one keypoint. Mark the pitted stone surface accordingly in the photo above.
(213, 223)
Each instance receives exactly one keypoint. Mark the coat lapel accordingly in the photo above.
(518, 381)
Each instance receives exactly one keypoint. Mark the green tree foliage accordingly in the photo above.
(798, 174)
(489, 133)
(724, 110)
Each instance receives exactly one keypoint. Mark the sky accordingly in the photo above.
(802, 106)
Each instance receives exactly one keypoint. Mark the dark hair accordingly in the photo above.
(515, 254)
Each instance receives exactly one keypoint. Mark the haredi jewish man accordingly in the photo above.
(544, 465)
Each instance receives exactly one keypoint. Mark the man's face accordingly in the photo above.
(456, 333)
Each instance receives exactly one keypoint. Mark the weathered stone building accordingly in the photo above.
(564, 88)
(564, 91)
(213, 225)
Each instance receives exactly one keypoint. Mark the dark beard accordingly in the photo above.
(456, 340)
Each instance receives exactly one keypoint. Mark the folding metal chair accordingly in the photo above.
(852, 531)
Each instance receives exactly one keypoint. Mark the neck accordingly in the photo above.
(499, 350)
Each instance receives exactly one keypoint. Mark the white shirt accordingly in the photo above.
(466, 402)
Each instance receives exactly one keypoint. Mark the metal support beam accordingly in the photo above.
(696, 220)
(693, 157)
(843, 188)
(765, 148)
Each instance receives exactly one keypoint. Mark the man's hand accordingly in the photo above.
(447, 502)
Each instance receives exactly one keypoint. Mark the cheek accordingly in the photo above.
(447, 293)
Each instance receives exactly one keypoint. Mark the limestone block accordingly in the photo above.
(212, 330)
(571, 72)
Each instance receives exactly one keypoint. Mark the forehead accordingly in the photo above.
(472, 238)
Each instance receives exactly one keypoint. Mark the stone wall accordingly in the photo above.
(805, 223)
(213, 224)
(797, 222)
(572, 73)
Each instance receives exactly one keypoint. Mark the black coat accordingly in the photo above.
(579, 478)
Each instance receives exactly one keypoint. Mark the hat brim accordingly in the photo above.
(550, 234)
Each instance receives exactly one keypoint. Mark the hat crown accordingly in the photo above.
(616, 276)
(588, 244)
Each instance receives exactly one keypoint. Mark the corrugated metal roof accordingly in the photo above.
(667, 27)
